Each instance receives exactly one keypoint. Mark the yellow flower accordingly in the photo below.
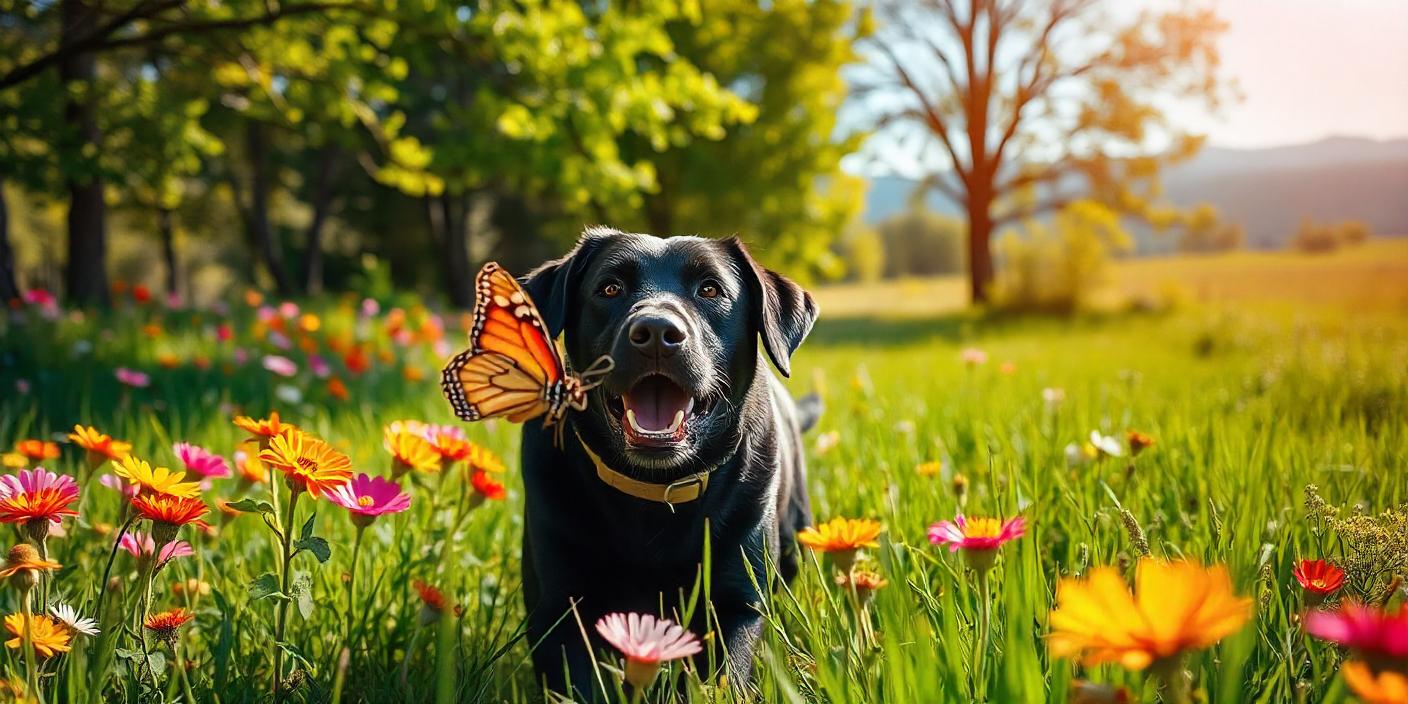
(159, 479)
(307, 462)
(841, 538)
(1387, 687)
(100, 446)
(482, 459)
(1175, 607)
(410, 451)
(14, 460)
(929, 469)
(47, 636)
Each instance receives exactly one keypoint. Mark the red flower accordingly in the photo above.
(1318, 577)
(485, 486)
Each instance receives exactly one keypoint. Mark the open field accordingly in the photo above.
(1248, 405)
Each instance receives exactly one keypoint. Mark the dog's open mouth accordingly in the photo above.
(655, 412)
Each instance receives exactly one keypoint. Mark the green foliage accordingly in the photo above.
(1314, 237)
(920, 242)
(1056, 267)
(1204, 231)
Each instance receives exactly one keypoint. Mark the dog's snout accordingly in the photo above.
(657, 334)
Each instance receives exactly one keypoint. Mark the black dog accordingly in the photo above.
(691, 430)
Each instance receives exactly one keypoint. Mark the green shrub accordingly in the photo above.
(920, 242)
(1055, 266)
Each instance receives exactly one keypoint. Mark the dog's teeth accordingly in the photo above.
(631, 418)
(679, 420)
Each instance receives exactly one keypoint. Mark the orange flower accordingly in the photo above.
(451, 449)
(47, 636)
(100, 447)
(433, 601)
(841, 538)
(249, 466)
(1175, 607)
(482, 459)
(37, 450)
(1138, 442)
(409, 450)
(265, 429)
(486, 488)
(1385, 687)
(170, 510)
(308, 463)
(23, 558)
(412, 373)
(337, 389)
(165, 624)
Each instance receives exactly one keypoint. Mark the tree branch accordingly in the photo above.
(931, 116)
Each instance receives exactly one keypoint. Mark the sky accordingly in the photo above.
(1304, 70)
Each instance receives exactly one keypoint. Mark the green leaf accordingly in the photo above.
(157, 660)
(307, 531)
(265, 585)
(302, 593)
(252, 506)
(318, 546)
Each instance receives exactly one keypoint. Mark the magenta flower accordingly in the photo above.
(646, 642)
(976, 534)
(117, 484)
(283, 366)
(431, 431)
(199, 460)
(319, 366)
(288, 309)
(1367, 630)
(368, 497)
(142, 545)
(37, 494)
(132, 377)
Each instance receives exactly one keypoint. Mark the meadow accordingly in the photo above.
(1268, 432)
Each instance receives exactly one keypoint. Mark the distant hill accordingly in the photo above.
(1267, 190)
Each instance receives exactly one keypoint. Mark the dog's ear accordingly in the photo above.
(553, 284)
(783, 312)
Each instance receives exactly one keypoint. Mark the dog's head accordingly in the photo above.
(682, 318)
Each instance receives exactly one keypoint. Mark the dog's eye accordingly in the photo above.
(610, 289)
(709, 289)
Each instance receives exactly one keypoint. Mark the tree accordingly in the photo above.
(1022, 96)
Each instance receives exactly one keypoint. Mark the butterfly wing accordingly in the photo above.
(491, 385)
(507, 323)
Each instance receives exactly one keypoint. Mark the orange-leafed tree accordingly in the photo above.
(1022, 100)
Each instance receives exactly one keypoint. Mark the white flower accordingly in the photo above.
(1078, 454)
(69, 616)
(1053, 396)
(1106, 444)
(288, 394)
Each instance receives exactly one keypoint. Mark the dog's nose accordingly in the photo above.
(657, 334)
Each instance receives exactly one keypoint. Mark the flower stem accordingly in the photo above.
(1176, 685)
(30, 661)
(281, 624)
(984, 641)
(46, 577)
(107, 571)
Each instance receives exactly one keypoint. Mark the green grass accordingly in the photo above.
(1248, 408)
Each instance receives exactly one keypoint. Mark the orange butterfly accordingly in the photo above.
(512, 368)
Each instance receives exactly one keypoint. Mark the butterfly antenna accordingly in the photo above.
(596, 373)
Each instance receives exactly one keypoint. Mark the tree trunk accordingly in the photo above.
(312, 274)
(166, 228)
(261, 234)
(448, 226)
(85, 276)
(980, 271)
(9, 285)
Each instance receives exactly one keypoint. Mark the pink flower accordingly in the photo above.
(288, 309)
(36, 494)
(283, 366)
(1367, 630)
(431, 431)
(142, 545)
(368, 497)
(224, 332)
(972, 356)
(319, 366)
(132, 377)
(646, 642)
(117, 484)
(201, 461)
(39, 297)
(976, 534)
(370, 307)
(265, 314)
(279, 340)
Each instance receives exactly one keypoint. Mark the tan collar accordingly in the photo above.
(680, 491)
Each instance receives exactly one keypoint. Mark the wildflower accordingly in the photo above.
(1138, 442)
(1053, 396)
(48, 636)
(1385, 687)
(37, 450)
(409, 451)
(282, 366)
(262, 430)
(486, 488)
(1078, 453)
(337, 389)
(71, 619)
(865, 583)
(251, 469)
(289, 394)
(309, 464)
(978, 538)
(168, 513)
(117, 484)
(201, 461)
(1083, 692)
(1137, 539)
(1106, 445)
(450, 449)
(23, 565)
(144, 546)
(319, 366)
(14, 460)
(1008, 368)
(1176, 607)
(132, 378)
(647, 642)
(100, 447)
(1319, 579)
(972, 356)
(827, 441)
(1371, 633)
(929, 469)
(160, 480)
(141, 294)
(481, 459)
(433, 601)
(841, 538)
(37, 497)
(191, 587)
(164, 625)
(959, 485)
(368, 497)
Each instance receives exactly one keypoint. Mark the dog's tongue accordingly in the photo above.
(656, 401)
